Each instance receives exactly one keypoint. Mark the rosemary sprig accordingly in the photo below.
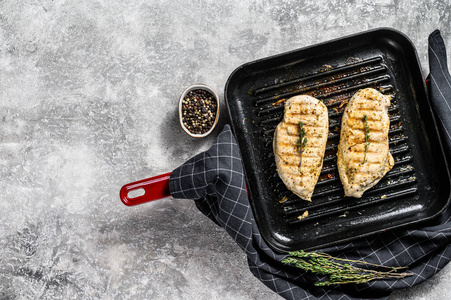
(302, 141)
(367, 136)
(339, 270)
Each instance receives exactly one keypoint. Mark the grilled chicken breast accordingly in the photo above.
(363, 156)
(298, 170)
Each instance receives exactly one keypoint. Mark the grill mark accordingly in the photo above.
(371, 141)
(299, 176)
(294, 115)
(305, 125)
(369, 114)
(315, 157)
(308, 135)
(371, 130)
(359, 162)
(295, 146)
(360, 120)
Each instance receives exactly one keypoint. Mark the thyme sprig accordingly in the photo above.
(302, 141)
(341, 271)
(367, 136)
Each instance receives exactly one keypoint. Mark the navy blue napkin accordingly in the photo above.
(215, 180)
(440, 87)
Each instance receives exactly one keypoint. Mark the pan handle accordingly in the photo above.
(155, 188)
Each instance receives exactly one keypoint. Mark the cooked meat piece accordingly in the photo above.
(299, 166)
(363, 156)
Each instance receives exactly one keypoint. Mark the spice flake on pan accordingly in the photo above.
(363, 156)
(293, 140)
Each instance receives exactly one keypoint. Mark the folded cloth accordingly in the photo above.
(215, 181)
(440, 87)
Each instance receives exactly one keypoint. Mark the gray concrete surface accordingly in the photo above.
(88, 97)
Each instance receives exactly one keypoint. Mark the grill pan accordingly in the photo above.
(415, 190)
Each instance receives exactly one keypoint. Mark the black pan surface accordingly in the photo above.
(415, 190)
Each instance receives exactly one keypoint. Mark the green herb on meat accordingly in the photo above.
(341, 271)
(302, 141)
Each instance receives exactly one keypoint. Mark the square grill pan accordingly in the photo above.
(416, 189)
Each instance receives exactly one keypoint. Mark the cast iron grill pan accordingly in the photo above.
(416, 189)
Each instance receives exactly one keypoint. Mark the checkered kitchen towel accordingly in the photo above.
(215, 180)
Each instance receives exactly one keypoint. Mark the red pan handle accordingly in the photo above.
(155, 188)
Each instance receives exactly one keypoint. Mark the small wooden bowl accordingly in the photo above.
(216, 98)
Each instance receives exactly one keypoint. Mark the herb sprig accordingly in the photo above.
(341, 271)
(302, 141)
(367, 136)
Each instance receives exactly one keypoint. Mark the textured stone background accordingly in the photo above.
(88, 95)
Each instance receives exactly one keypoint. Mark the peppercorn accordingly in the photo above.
(199, 109)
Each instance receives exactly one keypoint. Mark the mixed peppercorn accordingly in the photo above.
(199, 109)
